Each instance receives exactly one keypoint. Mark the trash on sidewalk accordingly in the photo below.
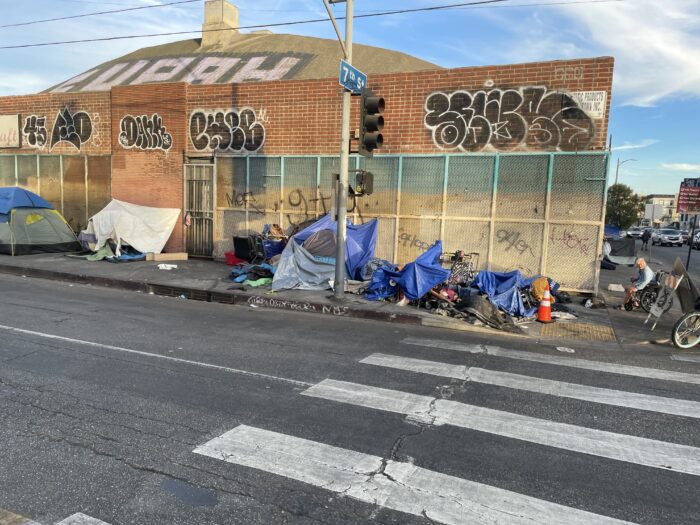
(29, 224)
(612, 287)
(165, 266)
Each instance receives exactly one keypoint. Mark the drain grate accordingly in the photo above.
(578, 331)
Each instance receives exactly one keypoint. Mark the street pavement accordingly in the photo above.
(127, 408)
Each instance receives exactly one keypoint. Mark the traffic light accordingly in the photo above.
(371, 122)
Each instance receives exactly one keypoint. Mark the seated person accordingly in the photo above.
(643, 278)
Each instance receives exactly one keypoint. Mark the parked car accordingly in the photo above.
(667, 237)
(696, 241)
(635, 232)
(685, 235)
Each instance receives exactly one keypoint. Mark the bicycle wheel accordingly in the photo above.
(686, 331)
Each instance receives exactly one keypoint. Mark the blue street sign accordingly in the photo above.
(351, 78)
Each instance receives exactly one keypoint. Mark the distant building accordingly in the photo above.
(660, 210)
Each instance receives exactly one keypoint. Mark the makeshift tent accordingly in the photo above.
(503, 290)
(143, 228)
(622, 251)
(415, 279)
(29, 224)
(308, 260)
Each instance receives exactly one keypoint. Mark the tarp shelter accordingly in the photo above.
(143, 228)
(29, 224)
(306, 263)
(622, 251)
(415, 279)
(503, 290)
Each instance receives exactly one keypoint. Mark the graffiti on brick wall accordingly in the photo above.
(506, 119)
(74, 128)
(34, 131)
(96, 139)
(231, 130)
(144, 132)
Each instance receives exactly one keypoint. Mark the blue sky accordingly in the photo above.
(656, 95)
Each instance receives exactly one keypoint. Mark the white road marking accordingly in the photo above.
(620, 447)
(606, 396)
(81, 519)
(572, 362)
(157, 356)
(686, 357)
(398, 486)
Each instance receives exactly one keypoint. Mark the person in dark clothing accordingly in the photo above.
(645, 240)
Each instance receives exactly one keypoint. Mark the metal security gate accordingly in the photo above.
(199, 207)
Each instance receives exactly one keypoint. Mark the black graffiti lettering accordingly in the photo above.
(411, 241)
(512, 240)
(144, 132)
(322, 199)
(74, 128)
(35, 131)
(506, 119)
(226, 130)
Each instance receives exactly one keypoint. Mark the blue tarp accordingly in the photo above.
(503, 290)
(359, 245)
(13, 197)
(611, 231)
(415, 279)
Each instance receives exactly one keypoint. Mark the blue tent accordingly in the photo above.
(14, 197)
(359, 244)
(29, 224)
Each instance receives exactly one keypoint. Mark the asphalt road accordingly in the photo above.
(136, 409)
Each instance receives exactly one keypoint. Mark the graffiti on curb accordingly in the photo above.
(298, 306)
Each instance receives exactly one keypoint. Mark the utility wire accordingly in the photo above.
(464, 5)
(85, 15)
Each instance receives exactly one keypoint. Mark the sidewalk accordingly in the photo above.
(206, 280)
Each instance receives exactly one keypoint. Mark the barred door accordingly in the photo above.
(199, 204)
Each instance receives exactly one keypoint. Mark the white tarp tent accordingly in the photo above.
(143, 228)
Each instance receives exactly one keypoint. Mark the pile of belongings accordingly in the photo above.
(29, 224)
(125, 232)
(308, 259)
(252, 274)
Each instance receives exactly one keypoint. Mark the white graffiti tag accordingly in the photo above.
(506, 119)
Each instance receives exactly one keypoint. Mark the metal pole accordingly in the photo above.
(617, 170)
(690, 241)
(341, 205)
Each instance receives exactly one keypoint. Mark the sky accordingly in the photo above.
(655, 113)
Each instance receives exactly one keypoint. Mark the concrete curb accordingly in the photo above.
(253, 300)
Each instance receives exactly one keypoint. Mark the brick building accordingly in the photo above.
(509, 162)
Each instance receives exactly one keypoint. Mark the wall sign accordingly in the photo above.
(592, 102)
(9, 131)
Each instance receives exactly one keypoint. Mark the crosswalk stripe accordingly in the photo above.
(391, 484)
(665, 405)
(81, 519)
(572, 362)
(632, 449)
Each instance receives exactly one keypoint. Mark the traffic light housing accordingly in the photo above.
(371, 122)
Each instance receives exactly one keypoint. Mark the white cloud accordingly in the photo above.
(656, 46)
(643, 144)
(681, 166)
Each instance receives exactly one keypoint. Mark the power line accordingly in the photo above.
(85, 15)
(464, 5)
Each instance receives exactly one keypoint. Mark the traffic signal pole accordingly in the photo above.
(342, 182)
